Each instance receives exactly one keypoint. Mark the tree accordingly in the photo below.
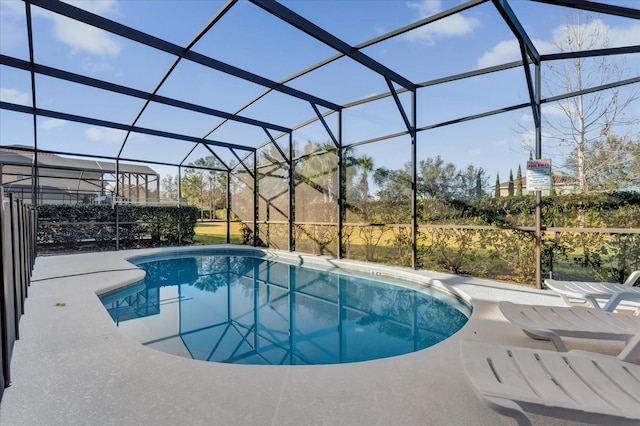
(471, 180)
(444, 180)
(395, 185)
(436, 179)
(519, 182)
(319, 166)
(361, 188)
(511, 187)
(204, 188)
(479, 191)
(169, 187)
(583, 119)
(614, 164)
(496, 189)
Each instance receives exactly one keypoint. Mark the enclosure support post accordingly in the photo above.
(228, 206)
(341, 187)
(538, 211)
(179, 205)
(414, 182)
(115, 203)
(137, 188)
(35, 173)
(255, 198)
(292, 196)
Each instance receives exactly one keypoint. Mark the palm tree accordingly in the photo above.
(361, 190)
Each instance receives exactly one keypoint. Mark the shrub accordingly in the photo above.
(71, 224)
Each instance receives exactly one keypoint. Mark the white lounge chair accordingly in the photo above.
(554, 322)
(577, 386)
(577, 293)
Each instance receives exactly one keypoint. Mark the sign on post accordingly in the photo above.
(539, 175)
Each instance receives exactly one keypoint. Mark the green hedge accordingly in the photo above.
(505, 252)
(74, 224)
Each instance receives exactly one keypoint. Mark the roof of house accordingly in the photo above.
(16, 157)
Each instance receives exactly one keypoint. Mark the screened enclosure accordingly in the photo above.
(385, 131)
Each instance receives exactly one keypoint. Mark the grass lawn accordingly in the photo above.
(216, 233)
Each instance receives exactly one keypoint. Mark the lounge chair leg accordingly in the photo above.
(508, 408)
(556, 340)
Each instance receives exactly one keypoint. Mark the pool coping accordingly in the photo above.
(73, 366)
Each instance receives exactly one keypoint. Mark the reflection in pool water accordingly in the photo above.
(248, 310)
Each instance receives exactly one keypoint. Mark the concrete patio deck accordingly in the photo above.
(72, 366)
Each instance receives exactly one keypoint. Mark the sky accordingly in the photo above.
(251, 39)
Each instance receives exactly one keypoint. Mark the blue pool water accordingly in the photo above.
(247, 310)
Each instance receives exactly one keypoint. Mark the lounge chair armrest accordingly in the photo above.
(618, 297)
(632, 278)
(631, 352)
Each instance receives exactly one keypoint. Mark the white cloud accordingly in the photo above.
(509, 50)
(52, 123)
(14, 7)
(84, 38)
(99, 7)
(102, 134)
(505, 51)
(451, 26)
(526, 117)
(96, 67)
(12, 26)
(594, 35)
(625, 36)
(558, 109)
(427, 7)
(14, 96)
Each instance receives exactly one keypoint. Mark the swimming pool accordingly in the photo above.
(245, 308)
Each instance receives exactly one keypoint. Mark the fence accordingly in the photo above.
(17, 238)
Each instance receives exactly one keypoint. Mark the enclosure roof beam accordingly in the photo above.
(396, 99)
(124, 90)
(241, 162)
(608, 9)
(591, 53)
(530, 88)
(217, 157)
(434, 82)
(422, 22)
(177, 60)
(173, 49)
(113, 125)
(633, 80)
(193, 148)
(407, 28)
(335, 141)
(332, 41)
(518, 30)
(101, 157)
(273, 141)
